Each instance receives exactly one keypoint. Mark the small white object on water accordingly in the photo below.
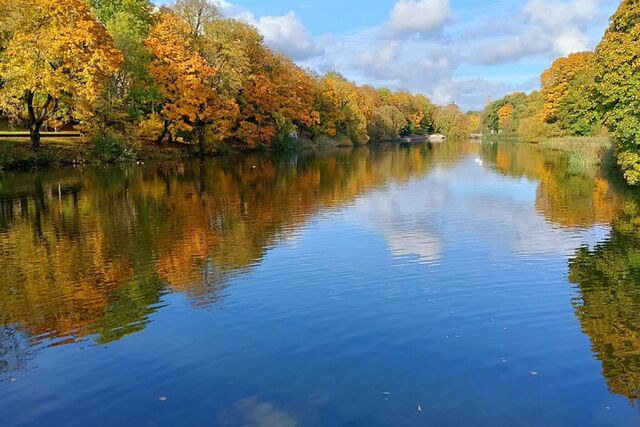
(162, 398)
(608, 407)
(13, 380)
(419, 408)
(534, 373)
(386, 393)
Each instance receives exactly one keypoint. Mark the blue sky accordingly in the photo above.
(450, 50)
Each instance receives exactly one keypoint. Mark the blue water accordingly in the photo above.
(431, 295)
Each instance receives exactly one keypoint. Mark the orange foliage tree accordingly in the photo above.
(52, 57)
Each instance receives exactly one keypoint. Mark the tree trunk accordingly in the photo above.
(36, 121)
(34, 134)
(165, 129)
(200, 135)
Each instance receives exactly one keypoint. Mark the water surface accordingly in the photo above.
(449, 285)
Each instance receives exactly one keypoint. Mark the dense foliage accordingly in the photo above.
(616, 63)
(186, 74)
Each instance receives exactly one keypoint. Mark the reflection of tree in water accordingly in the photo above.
(89, 252)
(568, 194)
(608, 277)
(14, 349)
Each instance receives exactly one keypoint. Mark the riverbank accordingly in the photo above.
(17, 154)
(596, 150)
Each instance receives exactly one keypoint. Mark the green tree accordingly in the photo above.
(130, 94)
(616, 63)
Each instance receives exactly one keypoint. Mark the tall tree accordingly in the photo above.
(340, 108)
(616, 61)
(181, 74)
(557, 80)
(56, 53)
(130, 93)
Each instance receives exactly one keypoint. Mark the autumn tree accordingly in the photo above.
(616, 63)
(450, 121)
(56, 54)
(276, 102)
(557, 80)
(416, 110)
(505, 115)
(340, 108)
(196, 14)
(201, 63)
(386, 124)
(519, 103)
(181, 74)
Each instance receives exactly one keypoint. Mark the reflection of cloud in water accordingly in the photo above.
(251, 412)
(467, 202)
(426, 247)
(400, 219)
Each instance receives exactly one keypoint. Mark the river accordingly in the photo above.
(447, 285)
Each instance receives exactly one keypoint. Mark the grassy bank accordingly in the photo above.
(16, 153)
(584, 150)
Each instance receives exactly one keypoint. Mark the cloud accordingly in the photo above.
(532, 42)
(563, 21)
(419, 16)
(545, 27)
(287, 34)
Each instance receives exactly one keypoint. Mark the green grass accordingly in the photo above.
(584, 151)
(578, 143)
(26, 131)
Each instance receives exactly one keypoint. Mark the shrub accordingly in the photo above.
(111, 149)
(6, 153)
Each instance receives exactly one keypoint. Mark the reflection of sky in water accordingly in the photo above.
(444, 292)
(423, 217)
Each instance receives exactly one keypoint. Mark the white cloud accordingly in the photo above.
(531, 42)
(563, 21)
(544, 27)
(286, 34)
(419, 16)
(569, 41)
